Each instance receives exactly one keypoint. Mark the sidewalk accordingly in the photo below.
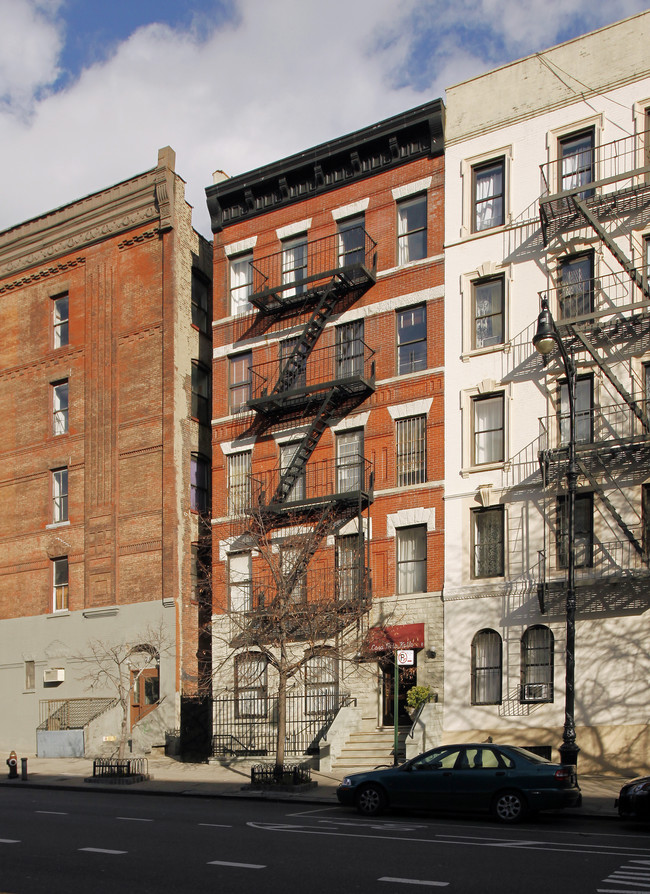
(172, 777)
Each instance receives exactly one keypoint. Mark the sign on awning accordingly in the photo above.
(390, 639)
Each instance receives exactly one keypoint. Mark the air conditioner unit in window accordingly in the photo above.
(536, 692)
(53, 675)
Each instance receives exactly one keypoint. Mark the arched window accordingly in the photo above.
(251, 686)
(486, 668)
(537, 664)
(321, 684)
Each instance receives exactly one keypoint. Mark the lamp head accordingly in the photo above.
(545, 338)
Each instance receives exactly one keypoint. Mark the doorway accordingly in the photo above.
(407, 677)
(145, 692)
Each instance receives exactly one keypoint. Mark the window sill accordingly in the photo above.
(61, 524)
(61, 613)
(430, 259)
(503, 465)
(503, 346)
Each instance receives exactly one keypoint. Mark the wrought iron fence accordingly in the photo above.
(120, 767)
(345, 478)
(245, 726)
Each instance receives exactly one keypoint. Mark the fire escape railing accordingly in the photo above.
(279, 282)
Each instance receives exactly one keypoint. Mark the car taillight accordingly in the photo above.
(563, 774)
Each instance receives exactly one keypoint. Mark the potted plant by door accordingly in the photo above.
(416, 697)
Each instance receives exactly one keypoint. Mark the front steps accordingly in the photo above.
(369, 748)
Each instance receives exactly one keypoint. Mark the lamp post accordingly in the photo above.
(545, 339)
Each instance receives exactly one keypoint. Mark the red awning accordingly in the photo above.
(388, 639)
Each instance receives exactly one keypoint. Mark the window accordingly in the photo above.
(488, 429)
(488, 542)
(411, 450)
(349, 461)
(321, 685)
(294, 574)
(412, 230)
(287, 453)
(576, 286)
(30, 675)
(240, 582)
(251, 684)
(200, 393)
(294, 265)
(584, 411)
(349, 350)
(488, 312)
(297, 375)
(488, 195)
(200, 302)
(239, 472)
(411, 340)
(412, 559)
(537, 665)
(576, 159)
(60, 332)
(584, 531)
(352, 240)
(199, 483)
(59, 495)
(60, 407)
(240, 381)
(486, 668)
(241, 283)
(348, 566)
(60, 584)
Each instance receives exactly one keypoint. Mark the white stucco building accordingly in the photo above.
(563, 131)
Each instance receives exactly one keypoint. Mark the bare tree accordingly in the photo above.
(298, 601)
(116, 667)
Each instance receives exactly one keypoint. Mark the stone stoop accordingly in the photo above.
(369, 748)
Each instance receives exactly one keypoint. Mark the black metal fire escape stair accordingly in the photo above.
(305, 449)
(296, 361)
(595, 484)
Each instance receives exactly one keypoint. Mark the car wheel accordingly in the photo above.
(371, 800)
(509, 806)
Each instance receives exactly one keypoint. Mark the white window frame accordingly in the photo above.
(240, 276)
(240, 581)
(60, 486)
(60, 589)
(420, 566)
(485, 388)
(239, 467)
(554, 136)
(467, 167)
(60, 407)
(60, 320)
(404, 234)
(411, 450)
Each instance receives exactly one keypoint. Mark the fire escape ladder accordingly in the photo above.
(296, 361)
(625, 263)
(610, 506)
(606, 369)
(305, 449)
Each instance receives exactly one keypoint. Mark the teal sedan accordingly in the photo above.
(508, 781)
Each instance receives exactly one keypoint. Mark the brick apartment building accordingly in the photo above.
(327, 337)
(104, 392)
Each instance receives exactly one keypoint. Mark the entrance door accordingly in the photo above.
(406, 679)
(145, 692)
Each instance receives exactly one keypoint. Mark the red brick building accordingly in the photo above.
(104, 390)
(328, 316)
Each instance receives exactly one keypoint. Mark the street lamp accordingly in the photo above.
(545, 339)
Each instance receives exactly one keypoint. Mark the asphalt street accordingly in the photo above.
(60, 841)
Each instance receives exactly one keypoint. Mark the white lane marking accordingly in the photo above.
(9, 841)
(475, 842)
(216, 825)
(54, 812)
(413, 881)
(236, 865)
(101, 850)
(134, 819)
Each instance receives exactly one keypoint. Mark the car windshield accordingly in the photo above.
(528, 755)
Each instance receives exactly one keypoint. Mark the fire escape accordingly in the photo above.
(320, 375)
(600, 195)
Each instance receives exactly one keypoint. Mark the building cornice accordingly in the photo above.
(147, 198)
(418, 133)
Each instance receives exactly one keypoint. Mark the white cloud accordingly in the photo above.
(279, 78)
(31, 39)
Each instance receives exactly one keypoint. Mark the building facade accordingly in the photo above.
(104, 389)
(547, 198)
(328, 436)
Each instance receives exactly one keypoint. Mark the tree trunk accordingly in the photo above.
(282, 717)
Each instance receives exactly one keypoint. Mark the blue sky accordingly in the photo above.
(89, 90)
